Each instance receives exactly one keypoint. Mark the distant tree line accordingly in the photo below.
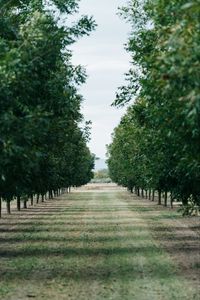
(156, 146)
(43, 147)
(101, 176)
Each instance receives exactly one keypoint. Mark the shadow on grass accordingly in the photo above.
(74, 228)
(26, 260)
(47, 251)
(63, 220)
(174, 228)
(74, 239)
(90, 272)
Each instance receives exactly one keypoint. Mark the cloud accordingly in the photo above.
(108, 66)
(106, 61)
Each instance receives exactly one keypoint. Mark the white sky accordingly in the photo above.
(106, 61)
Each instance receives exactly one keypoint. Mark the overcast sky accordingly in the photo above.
(106, 61)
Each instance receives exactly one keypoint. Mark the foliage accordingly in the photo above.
(42, 146)
(101, 176)
(164, 83)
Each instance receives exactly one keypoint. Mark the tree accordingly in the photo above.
(40, 103)
(164, 81)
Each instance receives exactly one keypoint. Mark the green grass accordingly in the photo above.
(92, 245)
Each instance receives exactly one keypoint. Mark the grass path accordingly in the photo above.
(95, 244)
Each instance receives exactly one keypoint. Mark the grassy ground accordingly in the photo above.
(98, 244)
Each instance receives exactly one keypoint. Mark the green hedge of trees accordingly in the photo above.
(43, 147)
(157, 144)
(101, 176)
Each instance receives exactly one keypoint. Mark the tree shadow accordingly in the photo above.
(90, 272)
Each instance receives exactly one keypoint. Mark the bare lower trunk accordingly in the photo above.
(149, 194)
(171, 201)
(25, 204)
(146, 194)
(8, 207)
(159, 197)
(165, 202)
(38, 197)
(42, 198)
(153, 195)
(18, 203)
(31, 200)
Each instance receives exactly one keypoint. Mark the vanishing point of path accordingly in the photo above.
(96, 244)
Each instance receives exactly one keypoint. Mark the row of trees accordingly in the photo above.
(101, 176)
(157, 144)
(43, 146)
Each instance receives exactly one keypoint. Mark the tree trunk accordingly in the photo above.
(18, 203)
(138, 192)
(153, 196)
(159, 197)
(171, 201)
(25, 204)
(146, 194)
(142, 193)
(165, 203)
(42, 198)
(38, 197)
(8, 207)
(31, 200)
(149, 194)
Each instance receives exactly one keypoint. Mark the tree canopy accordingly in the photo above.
(43, 146)
(161, 130)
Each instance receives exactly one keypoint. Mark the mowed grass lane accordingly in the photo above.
(96, 244)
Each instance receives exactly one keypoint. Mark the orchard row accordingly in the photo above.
(156, 146)
(43, 136)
